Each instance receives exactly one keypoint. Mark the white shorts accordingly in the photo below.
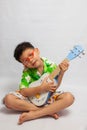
(17, 94)
(50, 99)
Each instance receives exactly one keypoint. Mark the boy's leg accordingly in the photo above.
(63, 101)
(13, 102)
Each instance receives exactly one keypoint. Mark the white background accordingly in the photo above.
(54, 26)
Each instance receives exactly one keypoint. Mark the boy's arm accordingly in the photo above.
(60, 77)
(63, 67)
(43, 87)
(28, 92)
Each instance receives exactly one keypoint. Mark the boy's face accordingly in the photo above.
(30, 58)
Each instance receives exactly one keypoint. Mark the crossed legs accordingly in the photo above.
(32, 112)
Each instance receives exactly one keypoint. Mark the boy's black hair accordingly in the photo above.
(20, 48)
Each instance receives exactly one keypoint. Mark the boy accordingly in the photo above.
(34, 67)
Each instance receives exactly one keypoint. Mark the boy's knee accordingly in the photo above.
(8, 100)
(69, 97)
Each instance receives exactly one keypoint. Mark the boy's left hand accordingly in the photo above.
(64, 65)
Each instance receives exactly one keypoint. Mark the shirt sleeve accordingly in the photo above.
(25, 80)
(49, 66)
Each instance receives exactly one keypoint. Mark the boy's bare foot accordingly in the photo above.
(30, 116)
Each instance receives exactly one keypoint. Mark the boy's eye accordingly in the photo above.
(31, 54)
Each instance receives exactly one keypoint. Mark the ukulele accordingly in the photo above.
(41, 98)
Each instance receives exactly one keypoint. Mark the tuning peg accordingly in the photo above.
(71, 51)
(75, 47)
(83, 53)
(79, 56)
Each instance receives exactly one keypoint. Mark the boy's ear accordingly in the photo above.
(37, 51)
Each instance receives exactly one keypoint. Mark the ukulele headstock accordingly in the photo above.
(75, 52)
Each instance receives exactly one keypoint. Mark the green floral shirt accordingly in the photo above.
(31, 75)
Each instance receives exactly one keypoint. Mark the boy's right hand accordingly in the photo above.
(48, 85)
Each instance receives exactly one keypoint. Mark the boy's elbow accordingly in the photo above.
(23, 92)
